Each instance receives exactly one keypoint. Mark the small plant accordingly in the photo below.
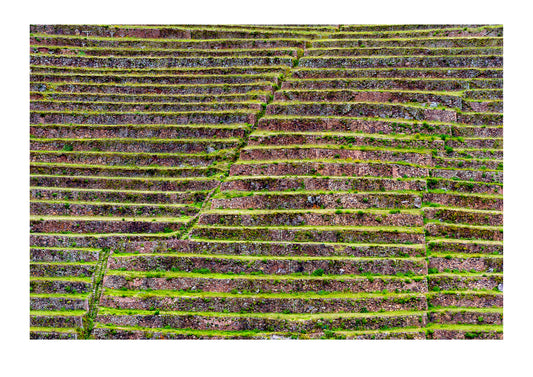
(318, 272)
(68, 148)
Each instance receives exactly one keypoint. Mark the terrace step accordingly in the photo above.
(325, 201)
(61, 269)
(363, 44)
(469, 175)
(92, 224)
(447, 282)
(134, 145)
(291, 218)
(472, 61)
(173, 32)
(310, 153)
(347, 125)
(167, 62)
(47, 286)
(335, 95)
(270, 248)
(284, 266)
(458, 216)
(396, 72)
(367, 83)
(186, 117)
(121, 171)
(143, 106)
(58, 303)
(350, 109)
(466, 299)
(388, 50)
(38, 333)
(147, 131)
(472, 264)
(55, 321)
(348, 139)
(69, 208)
(464, 232)
(464, 247)
(106, 52)
(252, 96)
(481, 202)
(181, 187)
(147, 89)
(351, 169)
(260, 283)
(172, 71)
(114, 240)
(130, 159)
(63, 255)
(451, 31)
(261, 304)
(213, 44)
(471, 332)
(249, 322)
(141, 78)
(114, 196)
(484, 94)
(320, 183)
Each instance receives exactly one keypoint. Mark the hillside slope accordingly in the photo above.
(266, 181)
